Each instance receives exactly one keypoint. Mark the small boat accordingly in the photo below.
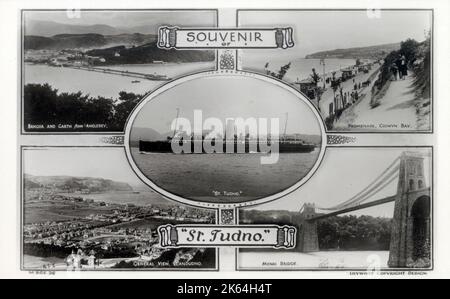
(157, 77)
(135, 81)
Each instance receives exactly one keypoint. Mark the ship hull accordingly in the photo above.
(230, 147)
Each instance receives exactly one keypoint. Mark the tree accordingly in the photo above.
(315, 77)
(409, 48)
(280, 74)
(317, 90)
(45, 105)
(422, 69)
(123, 107)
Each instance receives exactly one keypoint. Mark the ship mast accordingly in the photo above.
(285, 125)
(176, 123)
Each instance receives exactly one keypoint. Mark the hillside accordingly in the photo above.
(314, 139)
(76, 183)
(50, 28)
(148, 53)
(144, 134)
(370, 52)
(86, 41)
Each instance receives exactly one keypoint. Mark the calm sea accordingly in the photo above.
(241, 176)
(301, 68)
(108, 85)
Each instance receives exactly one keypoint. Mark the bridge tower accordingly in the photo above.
(308, 240)
(405, 224)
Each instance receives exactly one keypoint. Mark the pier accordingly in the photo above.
(151, 77)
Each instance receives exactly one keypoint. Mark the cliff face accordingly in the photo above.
(75, 183)
(371, 52)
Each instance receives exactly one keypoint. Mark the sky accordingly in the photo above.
(127, 19)
(342, 174)
(327, 30)
(229, 96)
(106, 163)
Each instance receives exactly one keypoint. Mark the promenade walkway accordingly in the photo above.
(396, 111)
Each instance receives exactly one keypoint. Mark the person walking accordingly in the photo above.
(394, 71)
(398, 63)
(403, 67)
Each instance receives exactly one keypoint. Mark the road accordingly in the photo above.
(347, 86)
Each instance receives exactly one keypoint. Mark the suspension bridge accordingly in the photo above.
(411, 219)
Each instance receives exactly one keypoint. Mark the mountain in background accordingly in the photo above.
(50, 28)
(75, 183)
(370, 52)
(314, 139)
(144, 134)
(133, 48)
(85, 41)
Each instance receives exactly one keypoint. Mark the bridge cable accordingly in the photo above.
(387, 183)
(364, 192)
(372, 183)
(391, 176)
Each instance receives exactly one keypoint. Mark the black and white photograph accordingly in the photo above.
(83, 212)
(366, 71)
(85, 71)
(373, 213)
(224, 142)
(226, 139)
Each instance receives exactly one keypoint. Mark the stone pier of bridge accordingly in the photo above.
(308, 239)
(411, 224)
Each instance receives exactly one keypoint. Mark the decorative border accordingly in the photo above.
(284, 238)
(282, 38)
(339, 139)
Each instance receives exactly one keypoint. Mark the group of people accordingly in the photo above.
(348, 97)
(400, 68)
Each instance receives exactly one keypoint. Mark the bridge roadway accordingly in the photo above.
(361, 206)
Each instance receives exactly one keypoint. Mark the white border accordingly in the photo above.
(10, 184)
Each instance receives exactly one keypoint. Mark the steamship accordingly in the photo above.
(286, 144)
(233, 146)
